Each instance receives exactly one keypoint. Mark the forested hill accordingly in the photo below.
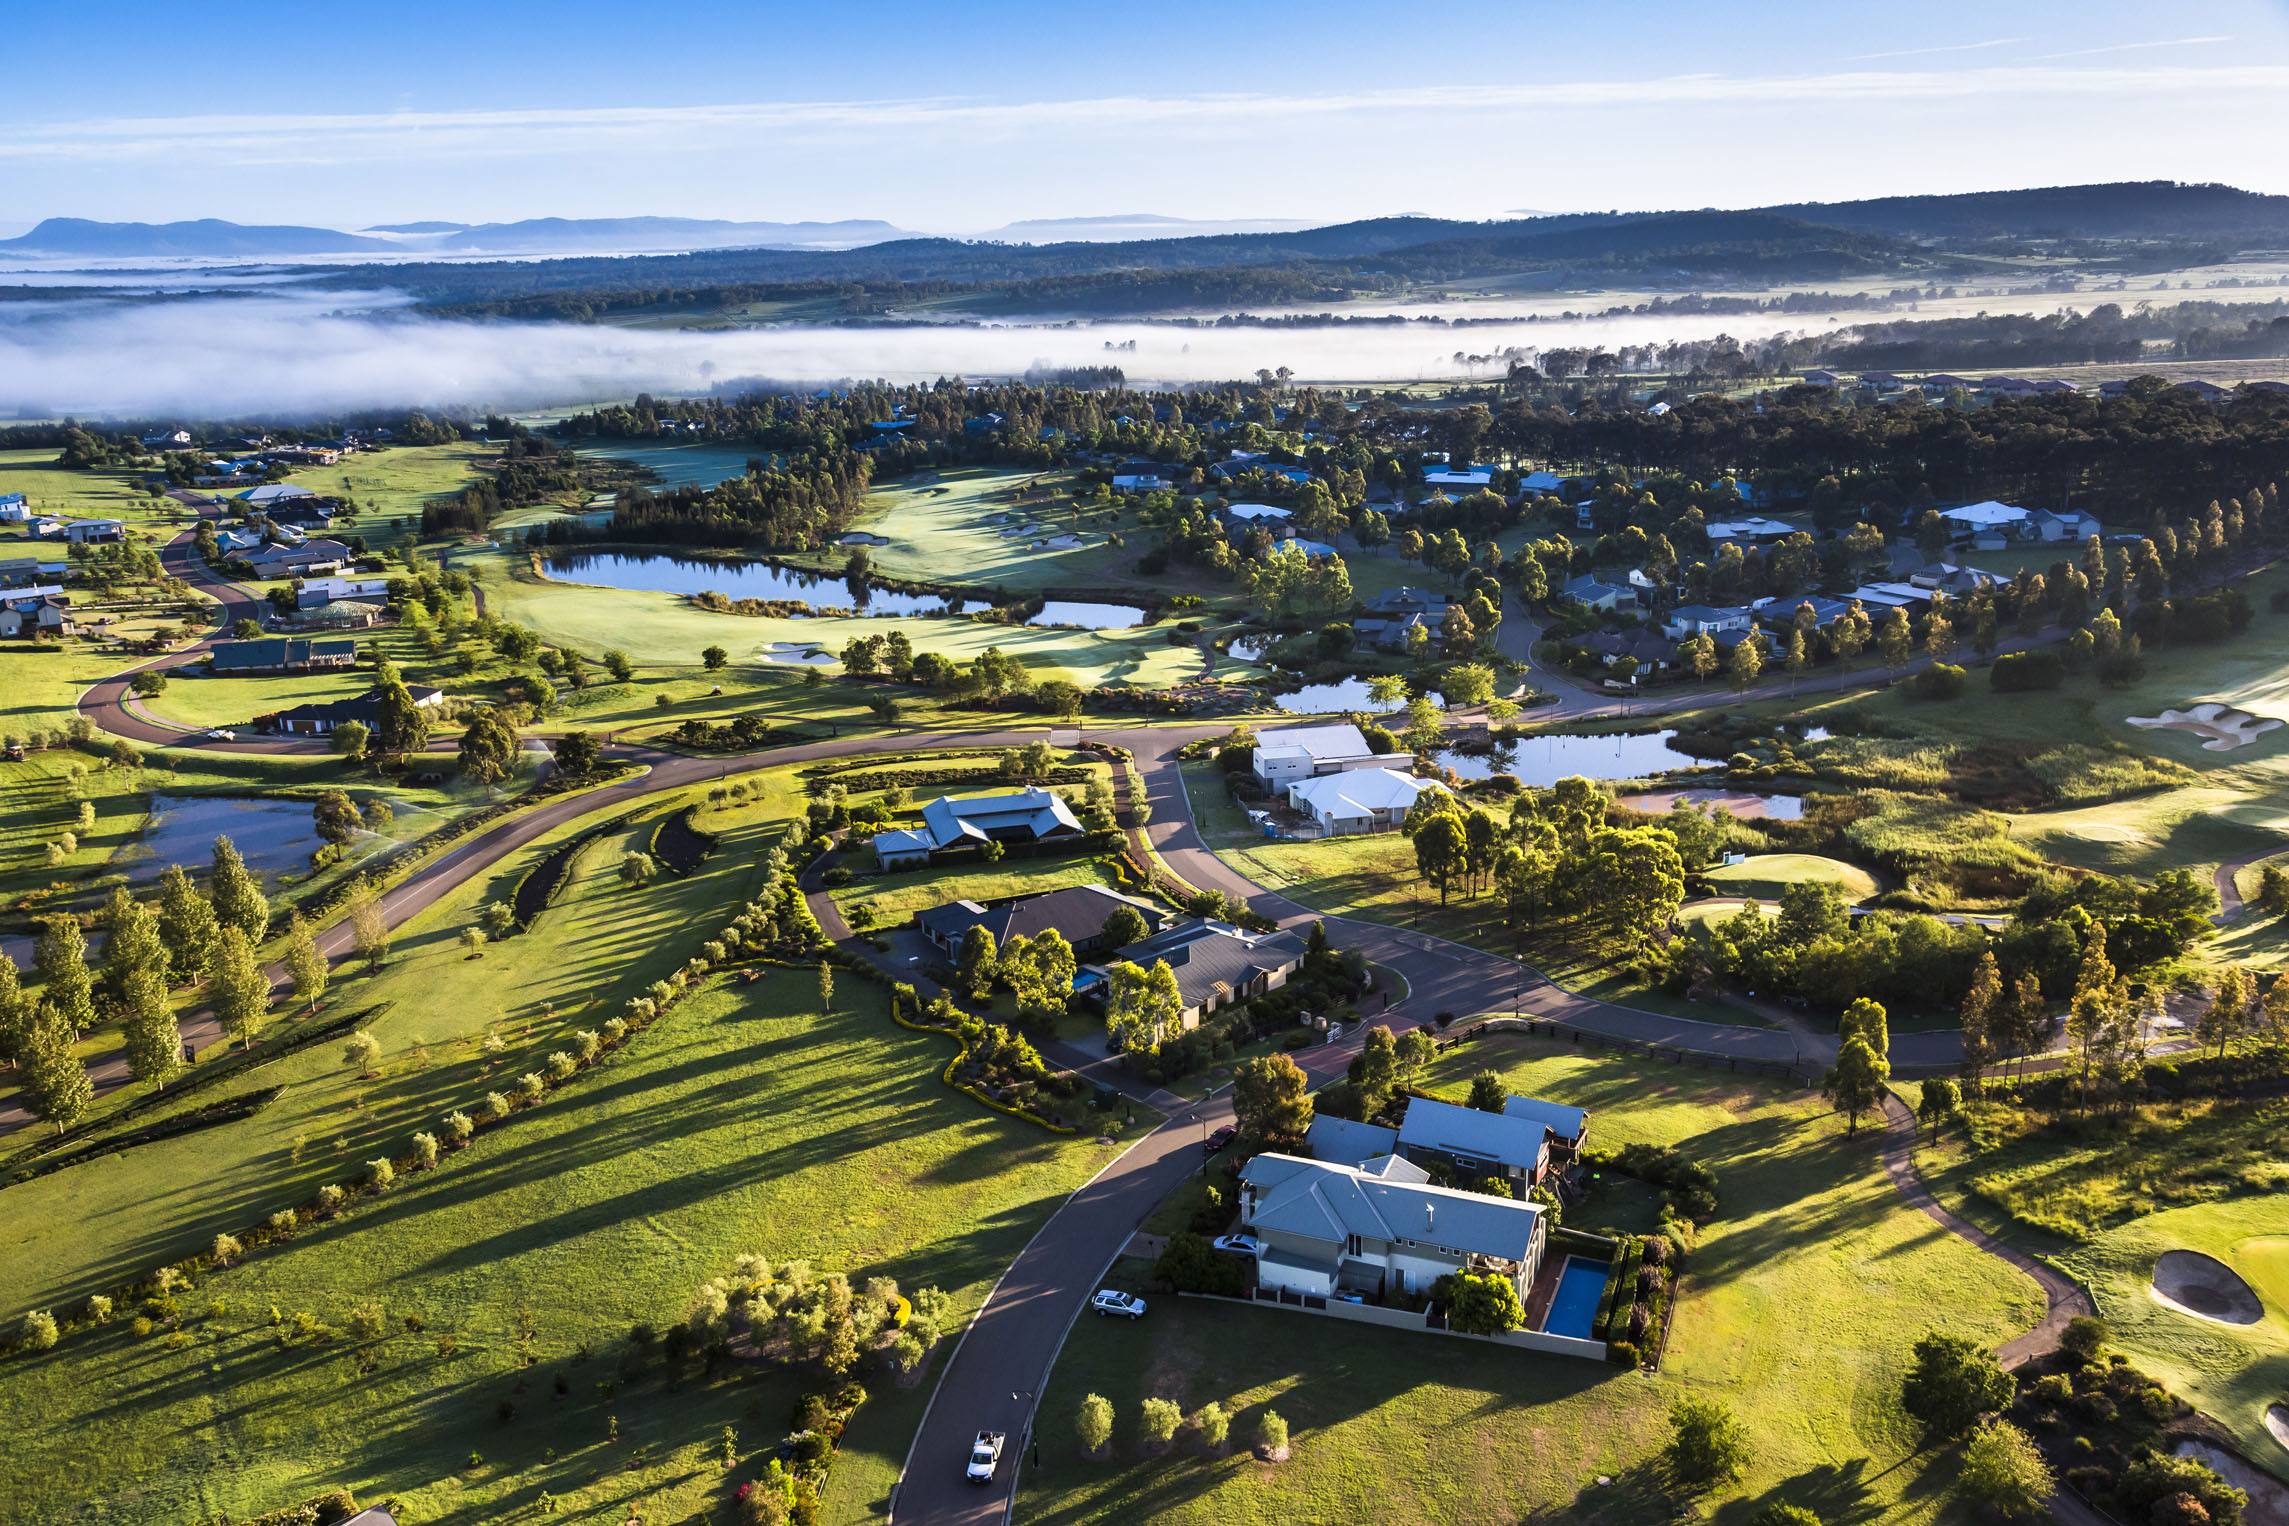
(1915, 237)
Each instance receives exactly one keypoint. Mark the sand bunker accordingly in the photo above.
(2222, 727)
(2205, 1287)
(2277, 1421)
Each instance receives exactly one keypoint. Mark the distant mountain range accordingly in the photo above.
(1125, 227)
(208, 238)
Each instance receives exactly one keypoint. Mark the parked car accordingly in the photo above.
(1219, 1139)
(220, 735)
(1113, 1301)
(1240, 1244)
(985, 1456)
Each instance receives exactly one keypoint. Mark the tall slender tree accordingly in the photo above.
(239, 901)
(154, 1040)
(1981, 1013)
(56, 1085)
(187, 926)
(15, 1014)
(304, 962)
(132, 944)
(368, 924)
(61, 962)
(238, 990)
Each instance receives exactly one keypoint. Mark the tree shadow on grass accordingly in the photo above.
(1838, 1493)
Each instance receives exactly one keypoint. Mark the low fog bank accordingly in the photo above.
(287, 354)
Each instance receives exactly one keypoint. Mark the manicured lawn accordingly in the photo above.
(1764, 876)
(661, 628)
(391, 486)
(199, 701)
(2197, 827)
(2232, 1372)
(744, 1122)
(73, 494)
(1799, 1310)
(938, 527)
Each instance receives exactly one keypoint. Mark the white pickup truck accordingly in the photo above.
(985, 1456)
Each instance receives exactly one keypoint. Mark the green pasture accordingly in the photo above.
(73, 494)
(392, 485)
(1799, 1310)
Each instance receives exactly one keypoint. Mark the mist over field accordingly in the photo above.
(287, 354)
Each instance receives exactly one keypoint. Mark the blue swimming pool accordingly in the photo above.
(1574, 1308)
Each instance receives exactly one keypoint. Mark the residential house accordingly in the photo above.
(1077, 914)
(322, 718)
(1986, 520)
(237, 542)
(1880, 381)
(2053, 526)
(1818, 378)
(1594, 593)
(1325, 1227)
(316, 556)
(2007, 386)
(1943, 383)
(1751, 530)
(1469, 1144)
(1141, 482)
(1359, 800)
(44, 527)
(1215, 963)
(301, 514)
(272, 494)
(1652, 654)
(1947, 578)
(2056, 387)
(1031, 815)
(1703, 619)
(1540, 484)
(1258, 513)
(27, 572)
(1342, 1142)
(1391, 618)
(315, 593)
(2274, 387)
(2207, 391)
(1469, 478)
(1301, 752)
(1568, 1127)
(166, 439)
(94, 532)
(281, 654)
(35, 612)
(15, 509)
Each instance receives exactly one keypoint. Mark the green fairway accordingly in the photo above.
(744, 1122)
(661, 628)
(2231, 1372)
(2197, 827)
(1799, 1310)
(895, 898)
(940, 527)
(1764, 876)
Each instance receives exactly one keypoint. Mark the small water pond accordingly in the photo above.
(1542, 761)
(1086, 616)
(801, 654)
(666, 572)
(1340, 696)
(273, 836)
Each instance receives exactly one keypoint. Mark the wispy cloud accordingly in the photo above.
(318, 139)
(2135, 47)
(1953, 47)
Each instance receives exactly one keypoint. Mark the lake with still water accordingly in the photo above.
(677, 463)
(1088, 617)
(273, 836)
(666, 572)
(1542, 761)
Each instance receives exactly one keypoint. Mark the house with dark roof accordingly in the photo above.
(1568, 1127)
(1595, 593)
(1033, 814)
(316, 556)
(281, 654)
(1470, 1144)
(1215, 963)
(322, 718)
(35, 612)
(1345, 1142)
(1325, 1228)
(1077, 914)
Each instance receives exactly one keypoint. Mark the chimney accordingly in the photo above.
(1430, 1211)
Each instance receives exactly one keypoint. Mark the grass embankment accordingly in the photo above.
(1799, 1310)
(2104, 1199)
(1763, 876)
(664, 629)
(745, 1121)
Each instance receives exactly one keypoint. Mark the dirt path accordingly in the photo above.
(2065, 1299)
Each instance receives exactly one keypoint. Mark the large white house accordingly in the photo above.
(1359, 799)
(1380, 1228)
(1301, 752)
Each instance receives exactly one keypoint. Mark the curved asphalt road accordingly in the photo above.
(1003, 1360)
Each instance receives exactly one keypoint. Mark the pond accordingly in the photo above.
(1343, 695)
(1542, 761)
(1253, 648)
(666, 572)
(683, 463)
(1086, 616)
(1743, 804)
(273, 836)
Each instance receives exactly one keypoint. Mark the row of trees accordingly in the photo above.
(1557, 856)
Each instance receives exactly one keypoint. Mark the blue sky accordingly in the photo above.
(961, 117)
